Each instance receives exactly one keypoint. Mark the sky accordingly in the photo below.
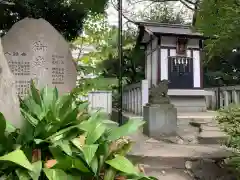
(128, 9)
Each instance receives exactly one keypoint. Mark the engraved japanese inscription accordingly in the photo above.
(35, 50)
(9, 103)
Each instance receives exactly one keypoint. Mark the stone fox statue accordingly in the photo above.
(9, 102)
(159, 93)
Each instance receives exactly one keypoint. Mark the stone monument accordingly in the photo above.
(35, 50)
(160, 115)
(9, 103)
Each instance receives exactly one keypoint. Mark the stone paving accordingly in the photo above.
(181, 157)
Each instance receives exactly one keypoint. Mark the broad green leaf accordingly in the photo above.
(67, 162)
(130, 127)
(69, 116)
(83, 106)
(48, 97)
(94, 164)
(9, 127)
(27, 133)
(30, 118)
(122, 164)
(35, 93)
(95, 134)
(110, 124)
(62, 104)
(57, 153)
(78, 164)
(38, 111)
(76, 142)
(61, 133)
(58, 174)
(147, 178)
(86, 126)
(18, 157)
(38, 141)
(89, 152)
(2, 123)
(55, 93)
(32, 107)
(97, 116)
(36, 172)
(64, 145)
(22, 174)
(41, 129)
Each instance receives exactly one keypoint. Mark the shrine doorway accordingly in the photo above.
(180, 72)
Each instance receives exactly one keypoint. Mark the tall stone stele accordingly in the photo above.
(35, 50)
(9, 103)
(160, 115)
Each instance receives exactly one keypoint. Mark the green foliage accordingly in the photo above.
(60, 140)
(229, 120)
(162, 12)
(97, 83)
(219, 21)
(103, 61)
(226, 68)
(66, 16)
(133, 66)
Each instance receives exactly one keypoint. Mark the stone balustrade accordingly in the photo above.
(135, 96)
(226, 95)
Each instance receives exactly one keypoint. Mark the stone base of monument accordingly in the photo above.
(161, 120)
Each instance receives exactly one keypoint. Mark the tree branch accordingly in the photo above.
(185, 4)
(195, 13)
(6, 2)
(190, 2)
(128, 19)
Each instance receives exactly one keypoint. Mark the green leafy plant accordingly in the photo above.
(60, 140)
(229, 120)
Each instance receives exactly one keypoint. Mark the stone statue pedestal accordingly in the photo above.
(161, 120)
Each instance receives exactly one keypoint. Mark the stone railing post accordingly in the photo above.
(226, 98)
(235, 96)
(145, 93)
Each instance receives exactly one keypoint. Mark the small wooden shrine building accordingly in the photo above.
(173, 53)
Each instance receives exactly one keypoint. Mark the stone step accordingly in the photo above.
(174, 155)
(168, 174)
(212, 137)
(209, 128)
(164, 160)
(193, 171)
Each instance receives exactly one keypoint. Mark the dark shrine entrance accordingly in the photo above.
(180, 72)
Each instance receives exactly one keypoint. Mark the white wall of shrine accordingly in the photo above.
(168, 42)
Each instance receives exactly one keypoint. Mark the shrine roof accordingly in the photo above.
(169, 29)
